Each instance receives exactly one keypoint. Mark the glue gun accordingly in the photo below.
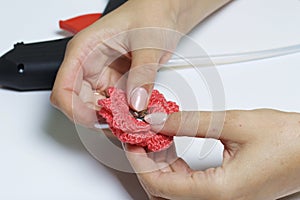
(34, 66)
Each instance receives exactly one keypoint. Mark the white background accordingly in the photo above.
(41, 153)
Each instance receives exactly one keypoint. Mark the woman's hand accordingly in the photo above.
(261, 158)
(123, 49)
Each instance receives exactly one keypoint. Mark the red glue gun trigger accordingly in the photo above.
(76, 24)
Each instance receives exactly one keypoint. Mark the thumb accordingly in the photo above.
(141, 77)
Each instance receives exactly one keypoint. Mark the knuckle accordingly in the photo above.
(71, 43)
(236, 119)
(53, 98)
(232, 117)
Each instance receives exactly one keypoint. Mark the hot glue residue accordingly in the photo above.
(130, 130)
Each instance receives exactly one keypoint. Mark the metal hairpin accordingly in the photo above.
(139, 115)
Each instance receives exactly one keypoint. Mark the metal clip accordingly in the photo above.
(139, 115)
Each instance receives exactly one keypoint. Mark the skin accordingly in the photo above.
(261, 158)
(98, 57)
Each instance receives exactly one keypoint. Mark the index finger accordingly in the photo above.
(234, 125)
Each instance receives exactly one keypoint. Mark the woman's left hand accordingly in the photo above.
(261, 158)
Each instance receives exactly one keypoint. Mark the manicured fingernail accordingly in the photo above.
(156, 118)
(139, 99)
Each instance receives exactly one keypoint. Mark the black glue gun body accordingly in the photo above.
(32, 66)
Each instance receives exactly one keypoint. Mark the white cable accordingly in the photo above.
(223, 59)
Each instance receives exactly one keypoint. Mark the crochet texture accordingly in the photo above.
(127, 128)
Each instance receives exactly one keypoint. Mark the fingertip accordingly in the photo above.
(156, 118)
(138, 99)
(157, 121)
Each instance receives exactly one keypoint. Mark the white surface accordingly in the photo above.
(250, 26)
(42, 156)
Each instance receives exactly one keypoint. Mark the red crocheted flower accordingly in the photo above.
(130, 130)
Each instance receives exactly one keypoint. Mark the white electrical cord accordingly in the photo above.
(222, 59)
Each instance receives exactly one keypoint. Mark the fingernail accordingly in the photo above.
(156, 118)
(139, 99)
(101, 126)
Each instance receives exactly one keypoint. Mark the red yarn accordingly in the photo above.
(130, 130)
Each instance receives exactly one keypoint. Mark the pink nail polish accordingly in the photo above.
(139, 99)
